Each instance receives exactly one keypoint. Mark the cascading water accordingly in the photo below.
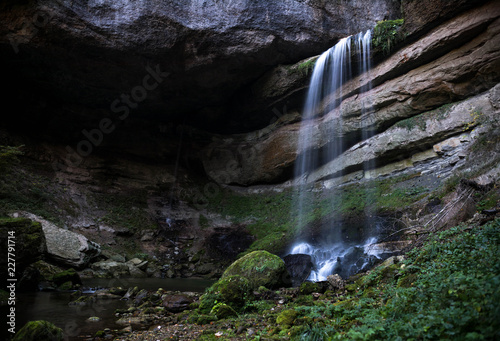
(331, 71)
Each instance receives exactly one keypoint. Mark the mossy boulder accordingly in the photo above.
(222, 311)
(234, 290)
(207, 301)
(65, 276)
(39, 331)
(46, 270)
(30, 245)
(286, 318)
(261, 268)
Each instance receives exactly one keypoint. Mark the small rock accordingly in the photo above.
(177, 303)
(135, 261)
(336, 282)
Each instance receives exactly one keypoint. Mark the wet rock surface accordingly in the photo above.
(299, 267)
(91, 52)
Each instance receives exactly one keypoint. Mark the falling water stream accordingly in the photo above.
(332, 69)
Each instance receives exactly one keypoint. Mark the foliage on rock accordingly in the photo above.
(261, 268)
(39, 331)
(386, 34)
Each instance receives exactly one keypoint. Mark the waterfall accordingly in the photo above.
(331, 71)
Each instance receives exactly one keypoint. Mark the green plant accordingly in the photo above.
(476, 118)
(386, 34)
(307, 66)
(450, 291)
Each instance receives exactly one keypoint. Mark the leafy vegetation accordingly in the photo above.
(386, 34)
(307, 66)
(448, 289)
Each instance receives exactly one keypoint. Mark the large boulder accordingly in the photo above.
(39, 331)
(176, 303)
(110, 269)
(67, 247)
(261, 268)
(299, 267)
(27, 241)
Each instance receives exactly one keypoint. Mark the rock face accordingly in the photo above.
(420, 77)
(67, 247)
(208, 49)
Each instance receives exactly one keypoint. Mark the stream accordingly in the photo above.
(73, 319)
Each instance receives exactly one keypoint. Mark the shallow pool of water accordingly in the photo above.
(73, 319)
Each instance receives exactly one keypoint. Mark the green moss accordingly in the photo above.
(100, 333)
(39, 331)
(286, 318)
(207, 301)
(420, 120)
(308, 288)
(9, 156)
(233, 290)
(69, 275)
(23, 190)
(307, 66)
(66, 286)
(222, 311)
(386, 34)
(261, 268)
(407, 281)
(203, 319)
(489, 200)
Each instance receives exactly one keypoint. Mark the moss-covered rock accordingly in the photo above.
(69, 275)
(30, 245)
(207, 301)
(286, 318)
(234, 290)
(39, 331)
(66, 286)
(261, 268)
(46, 270)
(222, 311)
(308, 288)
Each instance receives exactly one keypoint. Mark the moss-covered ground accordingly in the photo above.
(275, 222)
